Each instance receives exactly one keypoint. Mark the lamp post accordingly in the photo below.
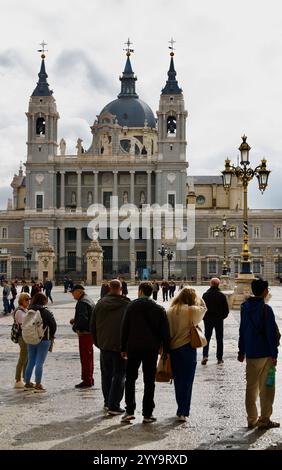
(28, 255)
(162, 252)
(245, 174)
(169, 256)
(224, 230)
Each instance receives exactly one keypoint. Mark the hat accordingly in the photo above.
(77, 287)
(259, 286)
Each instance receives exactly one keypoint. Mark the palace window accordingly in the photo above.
(4, 233)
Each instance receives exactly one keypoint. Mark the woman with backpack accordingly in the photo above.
(19, 315)
(38, 350)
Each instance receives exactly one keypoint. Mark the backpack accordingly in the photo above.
(16, 329)
(32, 327)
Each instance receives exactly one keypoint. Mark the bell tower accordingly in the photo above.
(172, 143)
(42, 117)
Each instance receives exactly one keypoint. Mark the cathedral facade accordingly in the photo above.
(139, 159)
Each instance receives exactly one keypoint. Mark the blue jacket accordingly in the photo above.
(257, 333)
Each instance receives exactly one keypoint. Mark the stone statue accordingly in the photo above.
(90, 197)
(125, 197)
(62, 147)
(79, 147)
(73, 197)
(142, 197)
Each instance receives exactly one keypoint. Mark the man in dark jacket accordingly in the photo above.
(217, 311)
(258, 342)
(144, 329)
(81, 325)
(105, 327)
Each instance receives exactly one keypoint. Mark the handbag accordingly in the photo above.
(164, 371)
(15, 332)
(198, 339)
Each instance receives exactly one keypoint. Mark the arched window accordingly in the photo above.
(40, 126)
(171, 125)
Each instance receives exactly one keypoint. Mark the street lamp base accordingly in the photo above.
(242, 290)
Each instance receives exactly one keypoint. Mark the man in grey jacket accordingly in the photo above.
(106, 326)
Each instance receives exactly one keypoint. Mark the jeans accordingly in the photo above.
(37, 354)
(6, 305)
(183, 363)
(218, 326)
(113, 378)
(149, 366)
(86, 357)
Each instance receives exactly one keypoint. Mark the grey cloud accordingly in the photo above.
(11, 59)
(67, 60)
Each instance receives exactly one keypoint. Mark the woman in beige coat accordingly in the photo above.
(186, 309)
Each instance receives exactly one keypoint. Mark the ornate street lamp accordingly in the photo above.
(224, 230)
(162, 252)
(245, 174)
(170, 255)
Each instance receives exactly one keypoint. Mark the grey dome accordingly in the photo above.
(131, 112)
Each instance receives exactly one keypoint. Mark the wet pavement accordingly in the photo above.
(68, 418)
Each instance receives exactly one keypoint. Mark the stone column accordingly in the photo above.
(62, 203)
(158, 196)
(78, 249)
(132, 254)
(78, 206)
(115, 239)
(95, 186)
(149, 187)
(115, 189)
(199, 268)
(132, 187)
(28, 186)
(62, 250)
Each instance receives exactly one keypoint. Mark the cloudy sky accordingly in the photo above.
(228, 61)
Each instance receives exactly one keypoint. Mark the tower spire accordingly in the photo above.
(171, 87)
(128, 78)
(42, 87)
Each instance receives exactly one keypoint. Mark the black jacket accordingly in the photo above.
(106, 321)
(48, 320)
(83, 312)
(144, 327)
(216, 302)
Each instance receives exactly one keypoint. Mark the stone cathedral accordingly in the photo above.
(140, 158)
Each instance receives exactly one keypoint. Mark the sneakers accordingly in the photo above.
(204, 361)
(127, 418)
(220, 361)
(29, 386)
(19, 384)
(39, 388)
(268, 425)
(119, 411)
(181, 418)
(83, 385)
(149, 419)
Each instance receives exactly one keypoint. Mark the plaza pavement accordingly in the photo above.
(68, 418)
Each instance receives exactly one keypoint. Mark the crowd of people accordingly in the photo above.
(131, 333)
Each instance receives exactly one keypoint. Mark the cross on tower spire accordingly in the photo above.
(43, 50)
(172, 42)
(127, 49)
